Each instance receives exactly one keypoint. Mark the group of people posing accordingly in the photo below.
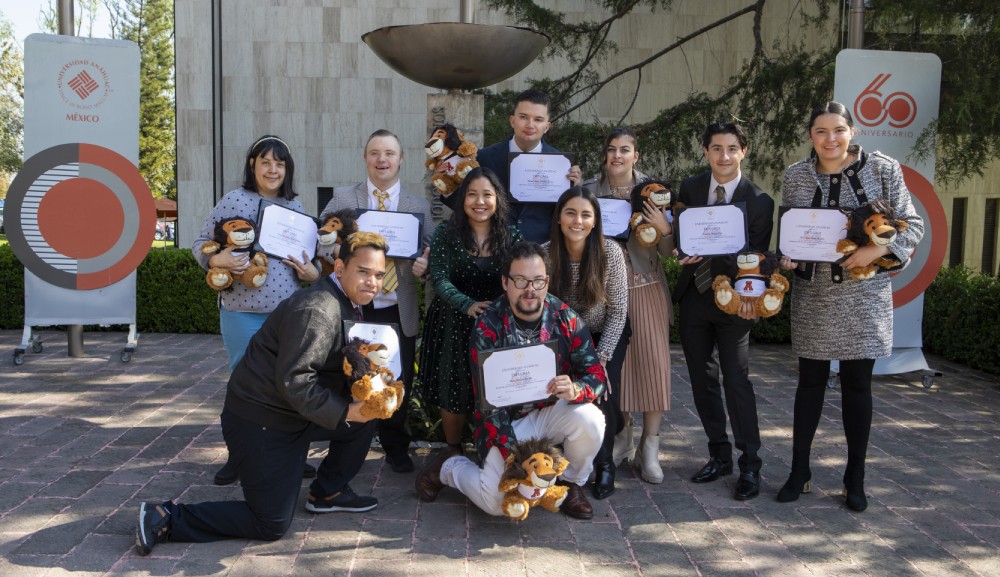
(508, 273)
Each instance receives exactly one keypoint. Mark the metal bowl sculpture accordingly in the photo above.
(456, 55)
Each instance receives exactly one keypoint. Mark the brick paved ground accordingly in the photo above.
(82, 441)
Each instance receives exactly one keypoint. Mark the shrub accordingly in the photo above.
(956, 325)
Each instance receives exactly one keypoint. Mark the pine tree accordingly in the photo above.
(11, 99)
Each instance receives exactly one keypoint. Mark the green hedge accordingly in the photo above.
(172, 297)
(171, 294)
(960, 311)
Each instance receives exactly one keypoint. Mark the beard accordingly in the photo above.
(527, 309)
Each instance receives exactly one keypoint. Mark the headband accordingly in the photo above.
(268, 138)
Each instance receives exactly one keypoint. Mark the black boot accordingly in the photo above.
(800, 481)
(854, 486)
(604, 479)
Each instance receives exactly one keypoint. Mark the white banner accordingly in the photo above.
(79, 215)
(893, 97)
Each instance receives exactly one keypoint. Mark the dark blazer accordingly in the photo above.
(534, 219)
(760, 220)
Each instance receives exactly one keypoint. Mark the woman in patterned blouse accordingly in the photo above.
(588, 273)
(833, 316)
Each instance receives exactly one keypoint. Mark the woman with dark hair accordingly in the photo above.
(645, 379)
(833, 316)
(466, 253)
(588, 273)
(268, 172)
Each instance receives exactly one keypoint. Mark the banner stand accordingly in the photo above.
(79, 215)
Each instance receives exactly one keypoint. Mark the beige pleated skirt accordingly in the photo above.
(646, 372)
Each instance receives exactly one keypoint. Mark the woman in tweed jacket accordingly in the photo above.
(833, 316)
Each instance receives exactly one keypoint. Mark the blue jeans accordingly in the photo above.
(237, 329)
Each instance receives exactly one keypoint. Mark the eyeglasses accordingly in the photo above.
(522, 283)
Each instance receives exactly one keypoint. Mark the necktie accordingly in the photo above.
(391, 280)
(703, 274)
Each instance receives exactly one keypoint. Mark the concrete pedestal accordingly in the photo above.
(465, 111)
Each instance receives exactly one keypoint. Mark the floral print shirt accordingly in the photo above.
(497, 328)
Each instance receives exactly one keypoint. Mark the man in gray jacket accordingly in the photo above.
(288, 390)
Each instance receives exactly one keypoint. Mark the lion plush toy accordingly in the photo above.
(447, 144)
(529, 479)
(757, 281)
(240, 233)
(660, 193)
(872, 223)
(373, 384)
(336, 226)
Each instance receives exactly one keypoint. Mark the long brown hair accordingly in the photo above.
(594, 263)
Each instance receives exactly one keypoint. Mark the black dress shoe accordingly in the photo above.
(401, 463)
(309, 472)
(748, 486)
(712, 470)
(604, 480)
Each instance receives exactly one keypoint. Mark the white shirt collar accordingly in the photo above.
(729, 186)
(513, 147)
(392, 203)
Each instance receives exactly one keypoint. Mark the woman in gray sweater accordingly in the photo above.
(833, 316)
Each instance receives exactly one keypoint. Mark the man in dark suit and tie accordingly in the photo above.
(705, 328)
(397, 302)
(530, 122)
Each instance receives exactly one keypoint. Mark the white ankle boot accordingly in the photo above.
(647, 460)
(624, 448)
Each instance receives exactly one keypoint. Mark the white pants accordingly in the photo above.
(578, 427)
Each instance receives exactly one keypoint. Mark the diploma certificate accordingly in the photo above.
(516, 375)
(285, 232)
(539, 177)
(811, 234)
(386, 334)
(400, 229)
(712, 230)
(615, 214)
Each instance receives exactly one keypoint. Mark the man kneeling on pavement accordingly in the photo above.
(287, 391)
(527, 314)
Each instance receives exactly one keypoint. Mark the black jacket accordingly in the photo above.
(292, 371)
(760, 221)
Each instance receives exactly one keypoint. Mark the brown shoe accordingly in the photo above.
(576, 504)
(429, 480)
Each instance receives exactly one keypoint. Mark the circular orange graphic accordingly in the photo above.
(79, 209)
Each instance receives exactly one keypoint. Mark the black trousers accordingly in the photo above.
(392, 431)
(270, 464)
(614, 420)
(711, 340)
(855, 407)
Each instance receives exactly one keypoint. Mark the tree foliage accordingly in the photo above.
(777, 85)
(965, 35)
(150, 24)
(11, 99)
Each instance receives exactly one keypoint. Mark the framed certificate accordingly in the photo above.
(615, 214)
(712, 230)
(386, 334)
(401, 230)
(811, 234)
(284, 232)
(515, 375)
(539, 177)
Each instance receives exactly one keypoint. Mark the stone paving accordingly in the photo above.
(83, 441)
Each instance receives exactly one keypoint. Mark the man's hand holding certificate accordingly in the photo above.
(517, 375)
(539, 177)
(712, 230)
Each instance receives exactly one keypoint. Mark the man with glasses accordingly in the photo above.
(527, 314)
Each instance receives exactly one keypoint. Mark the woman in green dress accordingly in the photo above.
(466, 253)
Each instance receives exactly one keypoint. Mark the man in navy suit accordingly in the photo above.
(530, 122)
(705, 328)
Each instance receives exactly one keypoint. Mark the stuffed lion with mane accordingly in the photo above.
(529, 479)
(240, 233)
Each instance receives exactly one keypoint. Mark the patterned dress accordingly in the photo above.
(460, 280)
(833, 316)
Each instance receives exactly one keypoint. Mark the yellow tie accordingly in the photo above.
(391, 280)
